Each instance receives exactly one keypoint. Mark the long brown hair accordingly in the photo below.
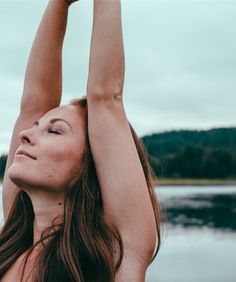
(80, 245)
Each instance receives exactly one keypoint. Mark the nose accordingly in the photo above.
(27, 137)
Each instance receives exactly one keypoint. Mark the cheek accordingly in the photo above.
(63, 164)
(56, 168)
(63, 156)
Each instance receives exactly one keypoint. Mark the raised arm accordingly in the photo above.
(107, 62)
(42, 85)
(124, 188)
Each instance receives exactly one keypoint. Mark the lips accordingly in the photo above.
(22, 152)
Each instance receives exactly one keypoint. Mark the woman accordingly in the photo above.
(78, 196)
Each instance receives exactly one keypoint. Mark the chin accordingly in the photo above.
(16, 176)
(27, 181)
(19, 176)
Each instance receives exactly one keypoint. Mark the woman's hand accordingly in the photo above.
(69, 2)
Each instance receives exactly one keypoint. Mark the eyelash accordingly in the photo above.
(50, 130)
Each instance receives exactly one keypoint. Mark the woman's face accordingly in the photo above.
(56, 143)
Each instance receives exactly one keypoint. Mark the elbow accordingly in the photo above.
(105, 92)
(105, 96)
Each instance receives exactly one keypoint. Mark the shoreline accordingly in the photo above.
(195, 182)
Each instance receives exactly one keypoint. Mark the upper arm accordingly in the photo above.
(121, 177)
(24, 121)
(132, 269)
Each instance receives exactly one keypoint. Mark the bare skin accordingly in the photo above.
(46, 177)
(41, 80)
(126, 198)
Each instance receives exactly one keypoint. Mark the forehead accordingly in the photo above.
(72, 114)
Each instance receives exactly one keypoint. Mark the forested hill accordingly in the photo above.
(188, 154)
(193, 153)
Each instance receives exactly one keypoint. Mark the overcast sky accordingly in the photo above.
(180, 61)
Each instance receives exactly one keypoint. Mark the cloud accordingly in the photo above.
(180, 61)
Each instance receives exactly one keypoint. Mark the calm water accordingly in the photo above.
(200, 237)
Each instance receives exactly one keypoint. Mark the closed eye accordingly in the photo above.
(55, 131)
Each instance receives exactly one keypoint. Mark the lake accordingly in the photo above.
(199, 242)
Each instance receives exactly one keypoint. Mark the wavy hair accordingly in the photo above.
(80, 246)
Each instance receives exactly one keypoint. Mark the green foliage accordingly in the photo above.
(193, 154)
(3, 160)
(188, 154)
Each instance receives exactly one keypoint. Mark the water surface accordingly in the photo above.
(200, 235)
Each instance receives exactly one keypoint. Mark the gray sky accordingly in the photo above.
(180, 61)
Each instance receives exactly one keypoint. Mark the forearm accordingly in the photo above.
(107, 62)
(43, 78)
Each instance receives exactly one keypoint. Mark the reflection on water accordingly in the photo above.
(199, 243)
(202, 210)
(195, 255)
(200, 235)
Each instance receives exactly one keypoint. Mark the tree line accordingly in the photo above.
(3, 160)
(187, 153)
(197, 154)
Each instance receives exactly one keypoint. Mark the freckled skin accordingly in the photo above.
(58, 155)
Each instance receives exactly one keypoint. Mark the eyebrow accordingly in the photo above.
(52, 121)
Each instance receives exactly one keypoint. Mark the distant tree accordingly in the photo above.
(3, 160)
(193, 153)
(156, 166)
(218, 164)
